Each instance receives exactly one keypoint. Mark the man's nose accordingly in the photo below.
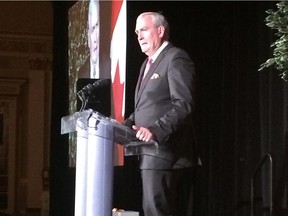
(140, 37)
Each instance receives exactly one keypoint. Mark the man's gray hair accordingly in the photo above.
(159, 20)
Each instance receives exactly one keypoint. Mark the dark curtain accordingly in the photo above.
(241, 111)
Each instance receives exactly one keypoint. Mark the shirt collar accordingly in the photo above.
(156, 54)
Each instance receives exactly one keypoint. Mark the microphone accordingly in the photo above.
(87, 90)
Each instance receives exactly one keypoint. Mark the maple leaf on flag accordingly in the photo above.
(118, 93)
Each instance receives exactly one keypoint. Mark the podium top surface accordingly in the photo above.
(79, 121)
(121, 133)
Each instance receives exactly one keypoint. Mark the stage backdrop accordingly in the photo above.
(97, 49)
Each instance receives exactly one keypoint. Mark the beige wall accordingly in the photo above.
(26, 30)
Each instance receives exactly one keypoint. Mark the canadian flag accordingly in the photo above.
(118, 66)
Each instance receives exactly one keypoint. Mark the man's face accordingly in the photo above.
(93, 35)
(149, 36)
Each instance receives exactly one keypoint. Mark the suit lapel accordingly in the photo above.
(141, 84)
(140, 79)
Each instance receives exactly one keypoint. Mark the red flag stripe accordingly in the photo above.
(116, 7)
(118, 66)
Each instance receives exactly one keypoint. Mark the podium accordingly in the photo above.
(96, 135)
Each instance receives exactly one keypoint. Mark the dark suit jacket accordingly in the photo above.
(164, 103)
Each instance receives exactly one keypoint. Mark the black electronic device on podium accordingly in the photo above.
(96, 135)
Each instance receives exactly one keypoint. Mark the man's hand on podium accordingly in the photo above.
(143, 133)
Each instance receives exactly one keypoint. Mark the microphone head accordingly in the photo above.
(94, 94)
(89, 89)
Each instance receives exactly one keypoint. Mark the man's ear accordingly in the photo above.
(161, 31)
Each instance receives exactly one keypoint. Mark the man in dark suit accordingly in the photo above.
(164, 105)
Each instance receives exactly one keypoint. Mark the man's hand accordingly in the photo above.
(143, 134)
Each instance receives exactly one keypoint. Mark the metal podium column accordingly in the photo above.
(94, 163)
(81, 167)
(99, 168)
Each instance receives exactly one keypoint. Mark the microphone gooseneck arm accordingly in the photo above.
(87, 90)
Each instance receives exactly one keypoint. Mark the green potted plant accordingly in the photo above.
(278, 20)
